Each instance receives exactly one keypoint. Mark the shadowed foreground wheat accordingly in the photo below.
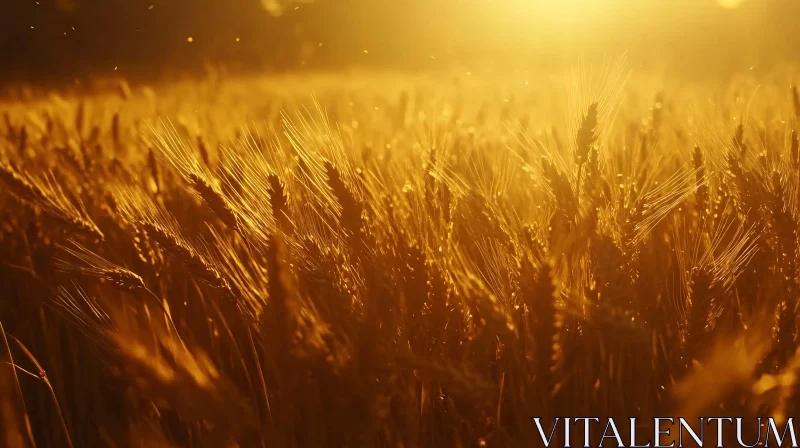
(418, 266)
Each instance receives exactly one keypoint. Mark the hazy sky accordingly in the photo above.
(150, 37)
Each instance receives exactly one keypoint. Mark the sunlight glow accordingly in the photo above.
(573, 11)
(730, 4)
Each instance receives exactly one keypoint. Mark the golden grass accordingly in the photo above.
(395, 261)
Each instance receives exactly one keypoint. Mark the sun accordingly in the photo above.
(730, 4)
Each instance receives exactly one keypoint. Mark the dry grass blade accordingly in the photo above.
(586, 136)
(279, 202)
(20, 186)
(194, 262)
(98, 266)
(215, 200)
(43, 376)
(48, 195)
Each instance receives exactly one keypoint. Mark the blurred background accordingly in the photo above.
(150, 39)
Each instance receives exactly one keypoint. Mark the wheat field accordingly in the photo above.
(394, 260)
